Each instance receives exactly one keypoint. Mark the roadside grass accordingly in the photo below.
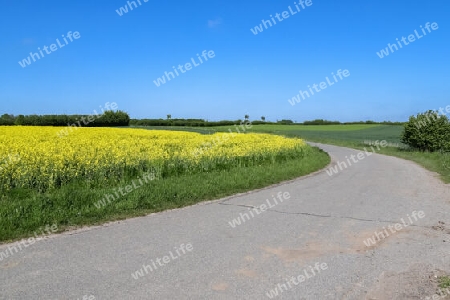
(24, 211)
(444, 282)
(436, 162)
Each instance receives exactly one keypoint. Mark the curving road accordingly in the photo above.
(195, 253)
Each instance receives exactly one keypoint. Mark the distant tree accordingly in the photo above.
(263, 118)
(20, 120)
(246, 117)
(285, 122)
(7, 119)
(169, 117)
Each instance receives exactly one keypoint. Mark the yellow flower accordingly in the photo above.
(43, 160)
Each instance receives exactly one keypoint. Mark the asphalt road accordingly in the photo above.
(194, 253)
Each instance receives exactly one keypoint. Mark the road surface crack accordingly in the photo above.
(327, 216)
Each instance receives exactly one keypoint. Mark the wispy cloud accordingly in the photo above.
(214, 23)
(27, 41)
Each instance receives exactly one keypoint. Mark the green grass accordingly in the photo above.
(350, 127)
(444, 282)
(330, 133)
(202, 130)
(436, 162)
(24, 211)
(352, 132)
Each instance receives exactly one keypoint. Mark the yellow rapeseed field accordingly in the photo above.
(36, 157)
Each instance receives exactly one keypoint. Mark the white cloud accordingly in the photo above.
(214, 23)
(28, 41)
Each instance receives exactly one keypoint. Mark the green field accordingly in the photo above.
(352, 136)
(317, 133)
(351, 127)
(331, 133)
(357, 132)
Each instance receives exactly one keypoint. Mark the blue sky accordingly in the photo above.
(117, 58)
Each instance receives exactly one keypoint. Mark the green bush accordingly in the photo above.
(428, 131)
(285, 122)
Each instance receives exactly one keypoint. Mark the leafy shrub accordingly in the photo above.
(428, 131)
(285, 122)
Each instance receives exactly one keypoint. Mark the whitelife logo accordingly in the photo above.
(411, 38)
(28, 242)
(381, 235)
(296, 281)
(71, 36)
(284, 15)
(262, 208)
(125, 190)
(124, 10)
(158, 82)
(433, 115)
(221, 138)
(183, 249)
(355, 158)
(86, 120)
(323, 85)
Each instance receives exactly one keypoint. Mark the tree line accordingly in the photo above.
(120, 118)
(107, 119)
(205, 123)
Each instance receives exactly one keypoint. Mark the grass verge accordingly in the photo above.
(435, 162)
(444, 282)
(22, 211)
